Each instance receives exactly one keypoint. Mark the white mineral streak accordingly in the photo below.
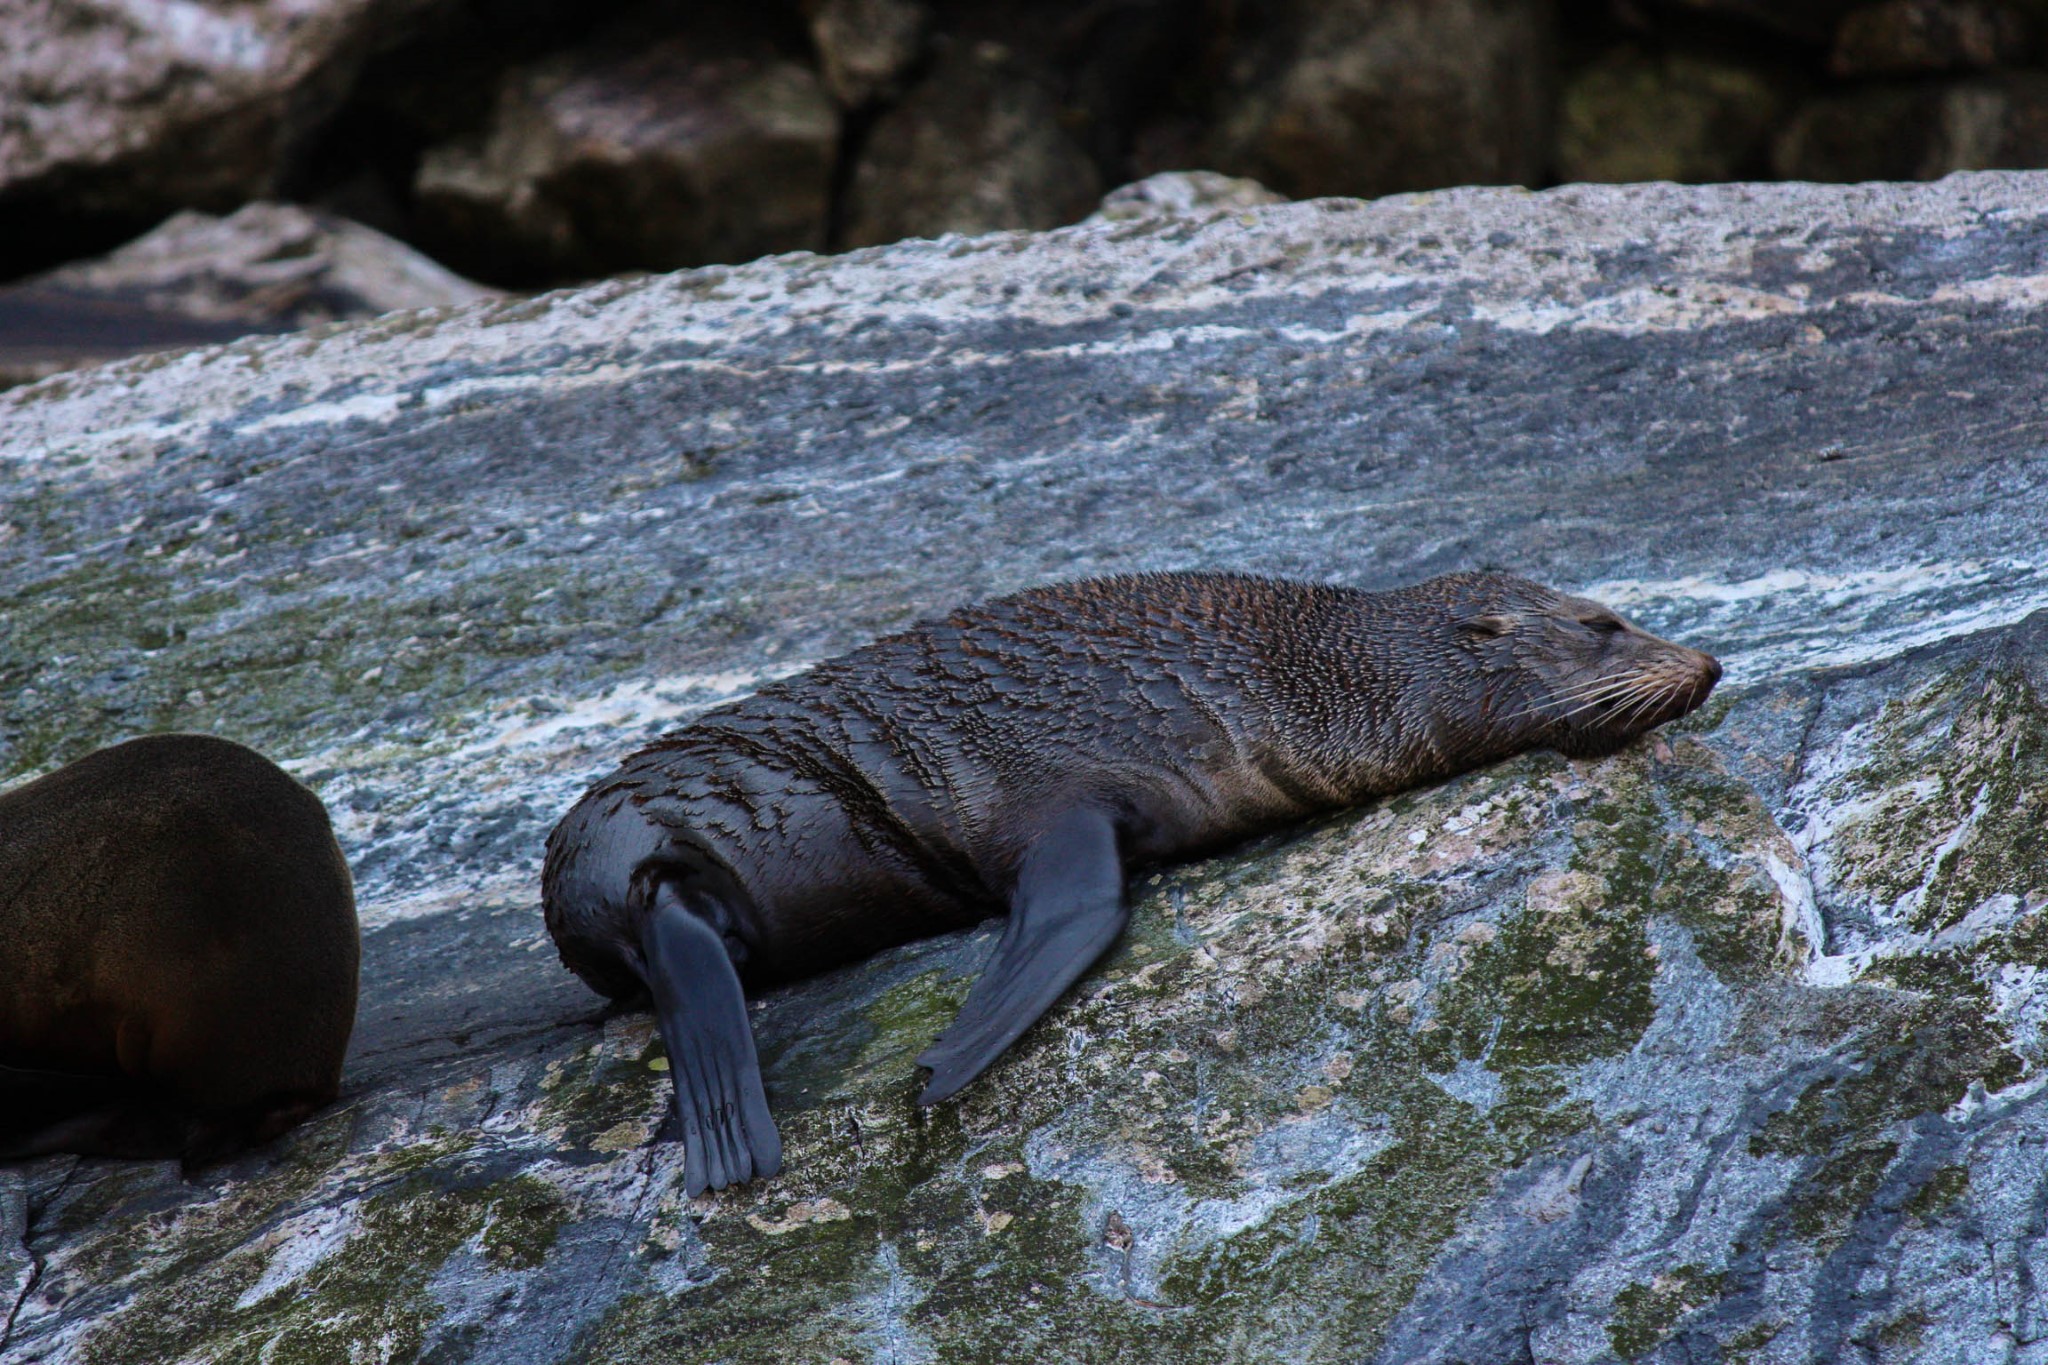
(546, 749)
(529, 723)
(296, 1246)
(1799, 918)
(1470, 1083)
(1793, 620)
(200, 33)
(1469, 253)
(1631, 312)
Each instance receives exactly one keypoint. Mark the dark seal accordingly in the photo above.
(1021, 755)
(181, 953)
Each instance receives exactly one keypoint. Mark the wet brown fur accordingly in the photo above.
(891, 793)
(181, 953)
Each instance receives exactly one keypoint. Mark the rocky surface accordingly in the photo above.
(1179, 194)
(1728, 1048)
(198, 278)
(866, 47)
(1902, 36)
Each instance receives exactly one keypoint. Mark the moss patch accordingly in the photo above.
(372, 1288)
(1644, 1314)
(1942, 1189)
(1951, 800)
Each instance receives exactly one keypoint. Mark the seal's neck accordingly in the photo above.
(1372, 693)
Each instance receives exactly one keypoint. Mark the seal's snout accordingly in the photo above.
(1602, 681)
(1709, 674)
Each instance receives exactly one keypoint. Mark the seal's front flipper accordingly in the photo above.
(720, 1105)
(1068, 907)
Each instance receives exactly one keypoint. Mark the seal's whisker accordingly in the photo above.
(1587, 701)
(1646, 704)
(1620, 695)
(1657, 700)
(1638, 702)
(1653, 697)
(1591, 695)
(1565, 715)
(1604, 683)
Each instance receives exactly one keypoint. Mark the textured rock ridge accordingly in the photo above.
(1728, 1047)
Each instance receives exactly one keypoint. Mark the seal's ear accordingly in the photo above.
(1487, 626)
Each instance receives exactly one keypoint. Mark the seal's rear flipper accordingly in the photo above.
(720, 1105)
(1067, 909)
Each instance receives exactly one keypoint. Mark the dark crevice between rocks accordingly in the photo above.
(855, 127)
(33, 1208)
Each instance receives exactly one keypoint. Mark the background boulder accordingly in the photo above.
(1902, 37)
(533, 143)
(198, 278)
(113, 116)
(1633, 115)
(1372, 96)
(977, 148)
(640, 150)
(1729, 1046)
(1912, 132)
(1171, 194)
(867, 47)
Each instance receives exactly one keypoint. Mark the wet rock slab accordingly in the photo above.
(1729, 1047)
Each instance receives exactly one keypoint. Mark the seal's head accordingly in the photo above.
(1567, 673)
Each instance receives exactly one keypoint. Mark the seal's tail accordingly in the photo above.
(720, 1104)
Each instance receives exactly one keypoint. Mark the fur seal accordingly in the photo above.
(182, 951)
(1021, 755)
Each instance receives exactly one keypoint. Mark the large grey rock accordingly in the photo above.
(1729, 1047)
(134, 110)
(643, 149)
(197, 278)
(1373, 96)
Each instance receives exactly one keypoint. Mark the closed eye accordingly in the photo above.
(1605, 625)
